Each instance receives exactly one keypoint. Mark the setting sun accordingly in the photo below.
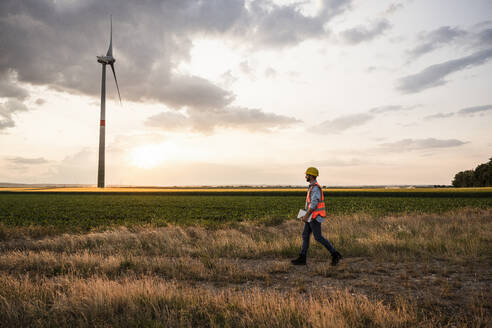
(147, 156)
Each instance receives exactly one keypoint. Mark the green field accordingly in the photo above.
(59, 212)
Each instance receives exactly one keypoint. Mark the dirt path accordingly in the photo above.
(434, 285)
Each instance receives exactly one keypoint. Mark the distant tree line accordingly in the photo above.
(480, 177)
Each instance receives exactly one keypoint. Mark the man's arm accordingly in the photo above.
(305, 218)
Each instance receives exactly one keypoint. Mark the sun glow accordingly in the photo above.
(147, 157)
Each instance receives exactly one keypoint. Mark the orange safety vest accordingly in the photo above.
(320, 209)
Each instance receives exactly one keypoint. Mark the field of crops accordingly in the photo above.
(76, 211)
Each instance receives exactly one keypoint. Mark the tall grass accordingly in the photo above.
(149, 301)
(459, 234)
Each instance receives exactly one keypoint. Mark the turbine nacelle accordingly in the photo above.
(108, 60)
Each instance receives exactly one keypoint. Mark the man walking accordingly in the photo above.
(315, 207)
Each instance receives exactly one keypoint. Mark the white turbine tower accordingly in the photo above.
(105, 60)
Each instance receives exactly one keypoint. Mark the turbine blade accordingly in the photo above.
(110, 49)
(114, 74)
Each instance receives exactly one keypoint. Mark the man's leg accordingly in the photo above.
(306, 234)
(316, 228)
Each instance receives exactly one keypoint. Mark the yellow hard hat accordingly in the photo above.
(312, 171)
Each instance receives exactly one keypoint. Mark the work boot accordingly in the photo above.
(301, 260)
(335, 258)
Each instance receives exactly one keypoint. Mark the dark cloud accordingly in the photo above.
(438, 116)
(477, 39)
(474, 38)
(9, 87)
(6, 121)
(54, 44)
(475, 109)
(7, 112)
(482, 34)
(194, 91)
(365, 33)
(207, 122)
(485, 37)
(419, 144)
(12, 105)
(436, 39)
(278, 26)
(27, 161)
(434, 75)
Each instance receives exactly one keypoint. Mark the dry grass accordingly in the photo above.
(148, 301)
(414, 270)
(461, 234)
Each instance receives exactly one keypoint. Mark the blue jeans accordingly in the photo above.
(315, 228)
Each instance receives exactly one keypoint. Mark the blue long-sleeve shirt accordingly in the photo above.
(315, 199)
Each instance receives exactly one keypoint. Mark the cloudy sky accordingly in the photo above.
(246, 91)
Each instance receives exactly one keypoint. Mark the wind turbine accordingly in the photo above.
(105, 60)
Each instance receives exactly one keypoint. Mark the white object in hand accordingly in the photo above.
(301, 214)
